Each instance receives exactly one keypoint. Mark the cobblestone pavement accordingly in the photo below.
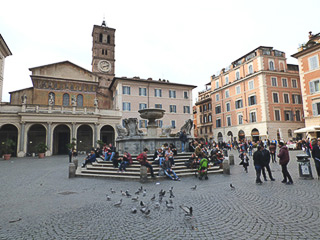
(38, 201)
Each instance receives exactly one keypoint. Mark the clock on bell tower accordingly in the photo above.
(103, 60)
(103, 45)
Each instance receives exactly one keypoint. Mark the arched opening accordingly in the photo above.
(80, 100)
(230, 134)
(100, 37)
(107, 134)
(66, 99)
(36, 134)
(241, 135)
(281, 67)
(108, 39)
(61, 137)
(255, 135)
(8, 131)
(84, 138)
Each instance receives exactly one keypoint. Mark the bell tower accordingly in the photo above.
(103, 60)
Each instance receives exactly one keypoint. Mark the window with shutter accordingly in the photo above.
(314, 109)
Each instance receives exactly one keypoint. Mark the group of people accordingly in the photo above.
(164, 157)
(262, 158)
(109, 153)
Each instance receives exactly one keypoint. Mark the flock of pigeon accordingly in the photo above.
(146, 208)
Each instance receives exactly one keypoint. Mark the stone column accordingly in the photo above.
(95, 135)
(73, 132)
(21, 152)
(49, 137)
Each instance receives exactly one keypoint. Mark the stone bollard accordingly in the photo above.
(143, 174)
(226, 167)
(72, 170)
(231, 159)
(75, 161)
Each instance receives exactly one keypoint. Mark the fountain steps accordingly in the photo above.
(106, 170)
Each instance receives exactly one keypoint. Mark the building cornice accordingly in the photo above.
(4, 47)
(236, 82)
(306, 51)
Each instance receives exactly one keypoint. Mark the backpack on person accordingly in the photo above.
(140, 157)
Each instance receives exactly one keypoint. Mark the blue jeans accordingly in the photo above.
(108, 157)
(308, 152)
(258, 173)
(168, 171)
(161, 159)
(182, 146)
(123, 165)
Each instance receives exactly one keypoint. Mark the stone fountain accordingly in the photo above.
(152, 114)
(133, 140)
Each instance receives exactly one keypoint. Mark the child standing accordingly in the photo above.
(244, 160)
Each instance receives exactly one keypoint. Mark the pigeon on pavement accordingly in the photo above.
(142, 204)
(232, 187)
(135, 198)
(171, 192)
(153, 198)
(133, 210)
(169, 206)
(117, 204)
(112, 191)
(128, 194)
(187, 210)
(108, 198)
(194, 188)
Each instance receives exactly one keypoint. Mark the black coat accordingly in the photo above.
(266, 157)
(315, 151)
(258, 158)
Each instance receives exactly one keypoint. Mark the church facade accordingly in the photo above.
(68, 103)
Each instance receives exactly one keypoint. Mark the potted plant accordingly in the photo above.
(41, 149)
(7, 148)
(100, 143)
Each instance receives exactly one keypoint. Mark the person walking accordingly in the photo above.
(316, 156)
(266, 162)
(258, 163)
(284, 159)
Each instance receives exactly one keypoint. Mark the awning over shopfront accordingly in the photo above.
(308, 129)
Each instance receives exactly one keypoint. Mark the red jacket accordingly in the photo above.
(283, 155)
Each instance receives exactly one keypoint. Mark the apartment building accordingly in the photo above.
(4, 52)
(257, 97)
(204, 114)
(133, 94)
(308, 56)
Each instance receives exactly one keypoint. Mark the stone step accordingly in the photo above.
(124, 176)
(137, 168)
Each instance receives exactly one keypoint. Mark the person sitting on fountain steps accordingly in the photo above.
(142, 159)
(166, 166)
(90, 158)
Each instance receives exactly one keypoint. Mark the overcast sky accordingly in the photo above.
(181, 41)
